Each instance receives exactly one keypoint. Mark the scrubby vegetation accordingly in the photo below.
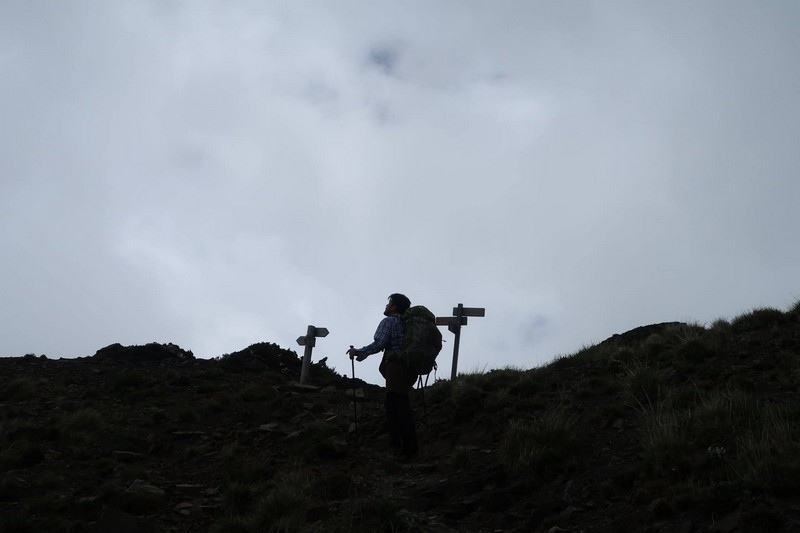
(668, 427)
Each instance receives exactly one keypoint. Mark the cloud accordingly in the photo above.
(213, 177)
(384, 58)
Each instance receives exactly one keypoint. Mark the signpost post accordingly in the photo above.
(454, 324)
(309, 341)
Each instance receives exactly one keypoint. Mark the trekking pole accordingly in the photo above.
(355, 407)
(424, 406)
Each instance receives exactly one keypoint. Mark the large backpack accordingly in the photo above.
(423, 340)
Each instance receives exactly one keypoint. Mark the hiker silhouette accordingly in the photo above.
(389, 337)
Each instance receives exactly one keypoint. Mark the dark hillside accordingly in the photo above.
(667, 428)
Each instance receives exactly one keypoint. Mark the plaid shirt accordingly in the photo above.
(389, 334)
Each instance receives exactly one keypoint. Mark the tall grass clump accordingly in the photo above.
(500, 378)
(251, 470)
(21, 454)
(695, 351)
(719, 417)
(720, 327)
(129, 379)
(81, 422)
(334, 485)
(587, 354)
(327, 440)
(644, 382)
(10, 487)
(232, 524)
(540, 444)
(759, 444)
(526, 385)
(256, 392)
(283, 507)
(759, 319)
(680, 333)
(663, 435)
(240, 497)
(623, 355)
(467, 396)
(370, 515)
(19, 388)
(656, 345)
(16, 523)
(768, 453)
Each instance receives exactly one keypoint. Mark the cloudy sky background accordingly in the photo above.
(216, 174)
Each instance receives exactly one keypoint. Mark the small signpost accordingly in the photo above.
(454, 324)
(309, 341)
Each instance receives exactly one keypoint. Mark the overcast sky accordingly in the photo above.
(215, 174)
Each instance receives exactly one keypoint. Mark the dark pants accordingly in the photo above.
(399, 415)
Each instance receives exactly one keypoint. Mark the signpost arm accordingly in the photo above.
(307, 354)
(459, 312)
(454, 324)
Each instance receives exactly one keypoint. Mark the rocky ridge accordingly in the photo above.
(149, 438)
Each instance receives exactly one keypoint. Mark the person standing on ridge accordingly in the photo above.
(399, 380)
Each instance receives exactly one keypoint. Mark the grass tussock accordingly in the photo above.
(10, 488)
(257, 392)
(232, 524)
(81, 422)
(759, 319)
(18, 389)
(17, 523)
(644, 381)
(737, 441)
(768, 451)
(284, 506)
(21, 454)
(540, 444)
(370, 515)
(719, 416)
(129, 380)
(587, 354)
(663, 436)
(239, 498)
(467, 397)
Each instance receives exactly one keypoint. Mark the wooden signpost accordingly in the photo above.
(454, 324)
(309, 341)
